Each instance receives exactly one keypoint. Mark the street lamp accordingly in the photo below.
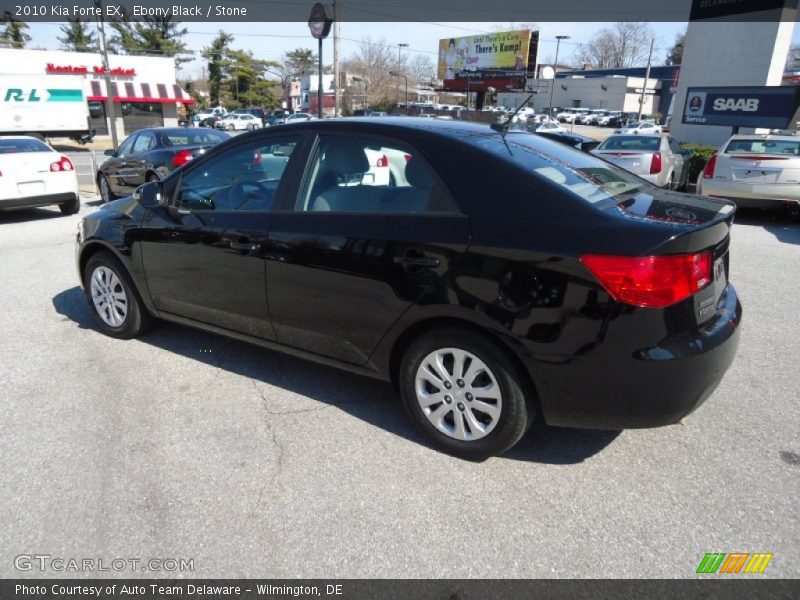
(366, 89)
(555, 66)
(399, 75)
(468, 84)
(399, 49)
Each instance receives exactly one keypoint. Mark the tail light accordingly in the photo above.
(382, 162)
(651, 281)
(256, 158)
(655, 163)
(62, 164)
(708, 172)
(181, 158)
(408, 157)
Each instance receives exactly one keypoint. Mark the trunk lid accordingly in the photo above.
(634, 162)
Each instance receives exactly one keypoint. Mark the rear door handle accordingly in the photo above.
(246, 246)
(416, 260)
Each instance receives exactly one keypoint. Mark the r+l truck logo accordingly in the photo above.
(734, 562)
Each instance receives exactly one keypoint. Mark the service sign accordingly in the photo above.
(479, 56)
(764, 107)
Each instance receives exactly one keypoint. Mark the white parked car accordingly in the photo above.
(294, 118)
(33, 174)
(239, 122)
(757, 171)
(644, 127)
(657, 158)
(546, 126)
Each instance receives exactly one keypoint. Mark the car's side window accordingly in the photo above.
(126, 147)
(144, 142)
(372, 175)
(244, 178)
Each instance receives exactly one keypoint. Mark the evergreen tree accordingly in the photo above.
(78, 37)
(13, 33)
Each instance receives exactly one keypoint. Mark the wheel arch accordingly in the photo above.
(426, 325)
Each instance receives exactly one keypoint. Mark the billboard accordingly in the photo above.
(767, 107)
(502, 55)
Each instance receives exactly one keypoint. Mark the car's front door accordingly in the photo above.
(204, 256)
(114, 167)
(135, 163)
(373, 230)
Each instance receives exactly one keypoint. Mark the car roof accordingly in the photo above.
(21, 137)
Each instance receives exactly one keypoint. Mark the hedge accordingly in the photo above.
(698, 160)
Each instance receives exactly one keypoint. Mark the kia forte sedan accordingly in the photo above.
(504, 275)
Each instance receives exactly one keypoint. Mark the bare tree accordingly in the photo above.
(421, 69)
(622, 45)
(372, 62)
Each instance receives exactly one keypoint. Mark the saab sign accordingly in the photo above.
(765, 107)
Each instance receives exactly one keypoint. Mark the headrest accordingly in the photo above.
(346, 156)
(418, 174)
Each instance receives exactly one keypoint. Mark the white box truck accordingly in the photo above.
(44, 107)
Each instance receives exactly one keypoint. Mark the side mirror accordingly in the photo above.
(150, 195)
(110, 152)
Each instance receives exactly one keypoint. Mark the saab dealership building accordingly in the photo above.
(143, 88)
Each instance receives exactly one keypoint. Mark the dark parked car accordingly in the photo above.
(149, 155)
(503, 275)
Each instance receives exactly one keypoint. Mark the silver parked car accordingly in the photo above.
(657, 158)
(757, 171)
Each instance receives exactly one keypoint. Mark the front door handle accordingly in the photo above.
(415, 259)
(245, 246)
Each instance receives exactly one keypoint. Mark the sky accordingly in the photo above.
(270, 40)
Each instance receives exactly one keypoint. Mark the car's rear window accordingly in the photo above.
(582, 174)
(631, 142)
(192, 137)
(761, 146)
(16, 146)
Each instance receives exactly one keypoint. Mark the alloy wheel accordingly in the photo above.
(458, 394)
(105, 192)
(109, 297)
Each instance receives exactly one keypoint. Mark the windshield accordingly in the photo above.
(12, 146)
(762, 146)
(634, 143)
(583, 175)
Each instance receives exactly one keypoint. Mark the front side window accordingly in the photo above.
(372, 175)
(127, 146)
(244, 178)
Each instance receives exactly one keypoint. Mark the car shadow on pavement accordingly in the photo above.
(370, 400)
(785, 228)
(28, 214)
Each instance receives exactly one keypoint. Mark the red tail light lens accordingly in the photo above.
(62, 164)
(655, 163)
(181, 158)
(651, 281)
(708, 172)
(382, 162)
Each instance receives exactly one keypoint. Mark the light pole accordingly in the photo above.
(112, 126)
(366, 90)
(646, 77)
(468, 84)
(399, 49)
(555, 68)
(399, 75)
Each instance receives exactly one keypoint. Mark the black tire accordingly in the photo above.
(106, 195)
(151, 177)
(518, 406)
(72, 207)
(137, 319)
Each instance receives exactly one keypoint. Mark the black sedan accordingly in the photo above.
(150, 155)
(489, 275)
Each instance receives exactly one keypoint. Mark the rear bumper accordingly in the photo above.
(751, 195)
(622, 386)
(34, 201)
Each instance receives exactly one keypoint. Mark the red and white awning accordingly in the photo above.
(129, 91)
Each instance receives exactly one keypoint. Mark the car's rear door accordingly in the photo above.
(353, 252)
(204, 257)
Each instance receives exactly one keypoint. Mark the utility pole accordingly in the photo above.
(646, 77)
(336, 73)
(112, 126)
(399, 48)
(555, 72)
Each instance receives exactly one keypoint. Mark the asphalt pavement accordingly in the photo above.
(188, 445)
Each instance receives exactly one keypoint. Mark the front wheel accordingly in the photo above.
(106, 195)
(464, 394)
(115, 303)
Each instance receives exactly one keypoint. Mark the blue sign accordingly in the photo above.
(766, 107)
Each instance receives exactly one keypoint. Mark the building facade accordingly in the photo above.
(143, 88)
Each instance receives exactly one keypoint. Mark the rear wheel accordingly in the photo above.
(71, 207)
(115, 303)
(464, 394)
(151, 177)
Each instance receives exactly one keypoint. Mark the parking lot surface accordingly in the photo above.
(188, 445)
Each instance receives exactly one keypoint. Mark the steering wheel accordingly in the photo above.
(237, 191)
